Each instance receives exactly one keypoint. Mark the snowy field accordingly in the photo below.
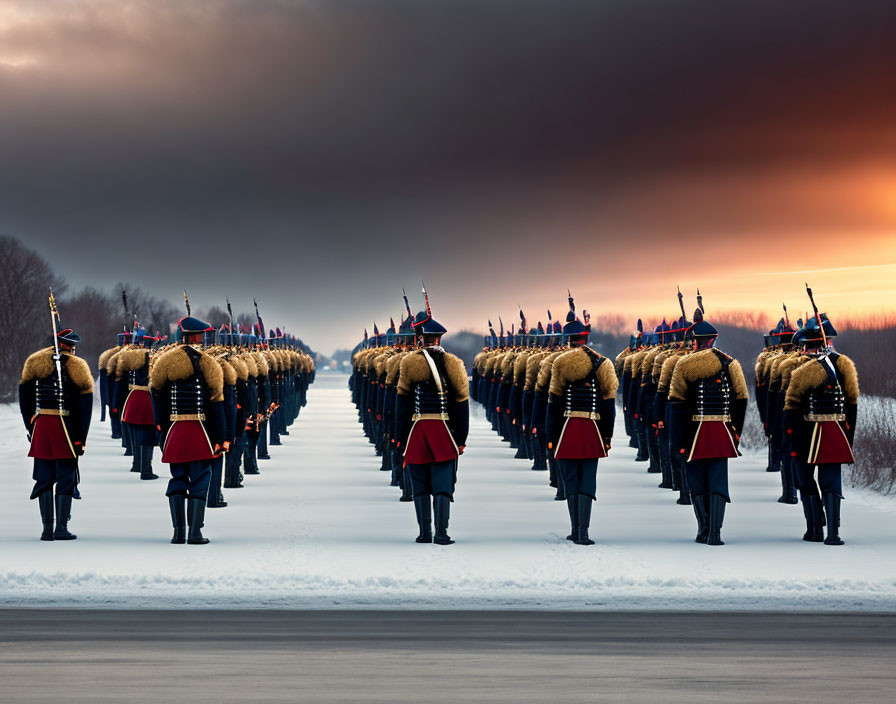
(321, 528)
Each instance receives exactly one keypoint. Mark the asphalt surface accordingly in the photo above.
(445, 656)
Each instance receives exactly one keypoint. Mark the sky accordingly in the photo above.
(321, 155)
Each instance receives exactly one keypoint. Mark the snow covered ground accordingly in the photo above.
(321, 528)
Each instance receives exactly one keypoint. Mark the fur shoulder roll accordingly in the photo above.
(104, 357)
(457, 376)
(251, 364)
(738, 382)
(242, 371)
(413, 368)
(38, 365)
(228, 370)
(213, 373)
(803, 379)
(130, 359)
(393, 365)
(607, 379)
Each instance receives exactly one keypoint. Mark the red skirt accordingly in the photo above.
(187, 441)
(138, 408)
(829, 444)
(430, 441)
(712, 441)
(49, 440)
(580, 440)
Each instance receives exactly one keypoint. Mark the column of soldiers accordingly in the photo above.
(552, 398)
(807, 397)
(412, 399)
(209, 402)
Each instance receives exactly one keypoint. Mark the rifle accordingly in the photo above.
(824, 338)
(57, 358)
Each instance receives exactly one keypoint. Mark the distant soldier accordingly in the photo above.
(131, 399)
(580, 419)
(432, 417)
(188, 393)
(56, 401)
(820, 413)
(707, 406)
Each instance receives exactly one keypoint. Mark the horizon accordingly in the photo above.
(319, 158)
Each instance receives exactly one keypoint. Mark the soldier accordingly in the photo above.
(540, 406)
(247, 396)
(431, 424)
(132, 401)
(580, 419)
(776, 373)
(404, 344)
(632, 374)
(707, 405)
(676, 460)
(820, 413)
(56, 401)
(187, 387)
(646, 398)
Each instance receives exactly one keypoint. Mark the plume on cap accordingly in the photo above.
(550, 319)
(698, 315)
(407, 305)
(699, 303)
(187, 303)
(491, 328)
(586, 317)
(523, 325)
(640, 325)
(426, 300)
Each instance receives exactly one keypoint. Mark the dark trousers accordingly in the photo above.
(62, 473)
(190, 479)
(261, 447)
(829, 479)
(434, 478)
(578, 476)
(115, 423)
(708, 477)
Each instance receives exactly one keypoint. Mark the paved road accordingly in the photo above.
(344, 656)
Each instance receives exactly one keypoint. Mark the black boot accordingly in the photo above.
(584, 519)
(177, 506)
(215, 496)
(45, 503)
(406, 494)
(423, 509)
(788, 490)
(814, 519)
(195, 518)
(666, 470)
(146, 463)
(684, 496)
(716, 516)
(702, 521)
(573, 507)
(441, 507)
(832, 509)
(63, 513)
(642, 445)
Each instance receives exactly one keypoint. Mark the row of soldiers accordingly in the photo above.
(807, 396)
(412, 399)
(552, 398)
(209, 401)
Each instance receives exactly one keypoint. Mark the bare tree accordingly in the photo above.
(25, 279)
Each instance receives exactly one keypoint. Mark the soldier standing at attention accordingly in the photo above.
(187, 388)
(56, 401)
(580, 417)
(707, 405)
(820, 412)
(432, 418)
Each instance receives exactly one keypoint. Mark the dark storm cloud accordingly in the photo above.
(336, 132)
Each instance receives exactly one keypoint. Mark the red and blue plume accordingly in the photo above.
(407, 306)
(586, 317)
